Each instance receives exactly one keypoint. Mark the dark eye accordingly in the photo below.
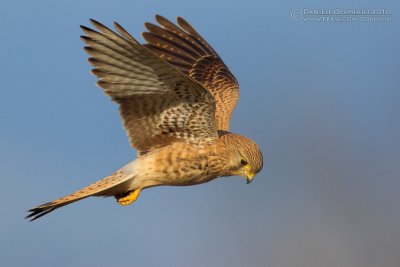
(243, 162)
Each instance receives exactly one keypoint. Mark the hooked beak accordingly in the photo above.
(249, 177)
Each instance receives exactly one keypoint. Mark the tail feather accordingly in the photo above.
(108, 186)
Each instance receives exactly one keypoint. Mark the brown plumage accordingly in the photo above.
(176, 97)
(184, 48)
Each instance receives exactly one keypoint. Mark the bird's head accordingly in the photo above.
(246, 159)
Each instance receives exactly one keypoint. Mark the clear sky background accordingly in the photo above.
(321, 99)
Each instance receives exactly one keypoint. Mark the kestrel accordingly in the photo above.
(176, 97)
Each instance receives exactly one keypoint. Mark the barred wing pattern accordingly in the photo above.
(184, 48)
(159, 105)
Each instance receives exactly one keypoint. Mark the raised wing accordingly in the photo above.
(158, 104)
(184, 48)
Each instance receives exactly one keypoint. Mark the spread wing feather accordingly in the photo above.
(184, 48)
(158, 104)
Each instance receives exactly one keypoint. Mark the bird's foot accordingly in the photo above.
(128, 198)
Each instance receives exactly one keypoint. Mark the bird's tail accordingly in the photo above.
(114, 184)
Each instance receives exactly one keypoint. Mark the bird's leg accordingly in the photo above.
(128, 198)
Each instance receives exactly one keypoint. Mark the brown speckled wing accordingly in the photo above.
(159, 105)
(184, 48)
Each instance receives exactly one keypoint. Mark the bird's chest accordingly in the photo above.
(187, 171)
(182, 166)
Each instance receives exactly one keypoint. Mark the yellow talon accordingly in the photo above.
(128, 199)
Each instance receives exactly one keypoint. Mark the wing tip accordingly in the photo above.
(85, 29)
(95, 23)
(121, 30)
(158, 16)
(39, 211)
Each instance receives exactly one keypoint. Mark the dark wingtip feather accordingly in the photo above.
(89, 49)
(163, 21)
(94, 62)
(185, 25)
(38, 212)
(148, 25)
(146, 35)
(158, 17)
(124, 32)
(95, 23)
(98, 73)
(85, 38)
(86, 29)
(101, 27)
(181, 20)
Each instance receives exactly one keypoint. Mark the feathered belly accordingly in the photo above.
(179, 165)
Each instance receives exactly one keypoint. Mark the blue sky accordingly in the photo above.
(321, 99)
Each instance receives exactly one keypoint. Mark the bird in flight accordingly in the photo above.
(176, 97)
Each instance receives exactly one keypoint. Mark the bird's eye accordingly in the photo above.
(243, 162)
